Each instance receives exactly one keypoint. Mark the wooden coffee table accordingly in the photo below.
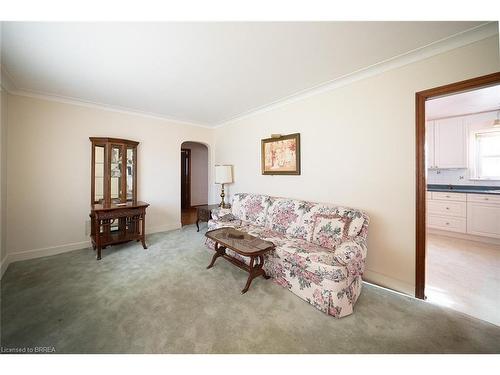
(243, 244)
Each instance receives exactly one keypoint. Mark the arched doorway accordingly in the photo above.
(194, 180)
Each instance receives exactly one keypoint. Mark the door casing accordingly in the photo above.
(421, 184)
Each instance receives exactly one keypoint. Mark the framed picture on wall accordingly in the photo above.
(281, 155)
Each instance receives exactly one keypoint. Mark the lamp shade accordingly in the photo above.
(223, 174)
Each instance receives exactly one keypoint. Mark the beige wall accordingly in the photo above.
(358, 149)
(48, 177)
(199, 172)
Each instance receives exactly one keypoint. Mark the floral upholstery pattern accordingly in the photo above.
(223, 214)
(250, 207)
(285, 216)
(320, 250)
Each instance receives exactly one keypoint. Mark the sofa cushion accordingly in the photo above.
(222, 214)
(250, 207)
(329, 230)
(216, 224)
(277, 238)
(301, 252)
(328, 226)
(285, 216)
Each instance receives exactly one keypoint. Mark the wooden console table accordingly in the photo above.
(117, 223)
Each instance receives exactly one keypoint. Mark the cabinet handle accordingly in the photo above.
(447, 223)
(447, 208)
(447, 196)
(485, 199)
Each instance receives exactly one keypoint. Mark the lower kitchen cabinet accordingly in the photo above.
(475, 214)
(453, 224)
(483, 219)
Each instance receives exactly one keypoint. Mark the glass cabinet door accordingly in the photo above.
(130, 173)
(99, 173)
(116, 173)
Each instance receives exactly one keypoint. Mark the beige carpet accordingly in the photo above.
(164, 300)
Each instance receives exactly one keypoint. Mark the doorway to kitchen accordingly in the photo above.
(458, 196)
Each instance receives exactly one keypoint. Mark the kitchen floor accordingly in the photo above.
(464, 275)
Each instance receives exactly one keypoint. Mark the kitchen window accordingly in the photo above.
(487, 155)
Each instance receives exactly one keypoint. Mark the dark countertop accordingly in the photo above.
(471, 189)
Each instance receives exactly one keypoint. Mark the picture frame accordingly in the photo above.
(281, 155)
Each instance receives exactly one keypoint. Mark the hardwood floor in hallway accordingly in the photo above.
(188, 216)
(464, 275)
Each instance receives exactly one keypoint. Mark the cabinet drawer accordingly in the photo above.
(483, 198)
(443, 208)
(454, 224)
(445, 196)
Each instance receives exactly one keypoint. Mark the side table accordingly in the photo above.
(203, 213)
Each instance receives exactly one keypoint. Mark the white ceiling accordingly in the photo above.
(201, 72)
(482, 100)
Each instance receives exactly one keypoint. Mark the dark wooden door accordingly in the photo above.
(185, 178)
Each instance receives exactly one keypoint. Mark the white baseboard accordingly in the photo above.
(385, 281)
(465, 236)
(3, 265)
(163, 228)
(43, 252)
(53, 250)
(46, 251)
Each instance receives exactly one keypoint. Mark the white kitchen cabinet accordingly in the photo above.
(483, 198)
(429, 145)
(483, 215)
(475, 214)
(450, 146)
(452, 224)
(445, 196)
(447, 211)
(447, 208)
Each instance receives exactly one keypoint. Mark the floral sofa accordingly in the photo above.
(320, 249)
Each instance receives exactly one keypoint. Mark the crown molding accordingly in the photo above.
(105, 107)
(455, 41)
(435, 48)
(13, 90)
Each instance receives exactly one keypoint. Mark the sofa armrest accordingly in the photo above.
(223, 214)
(352, 254)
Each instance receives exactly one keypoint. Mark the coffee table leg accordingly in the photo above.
(255, 271)
(261, 265)
(251, 276)
(219, 251)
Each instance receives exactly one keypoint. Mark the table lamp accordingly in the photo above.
(223, 175)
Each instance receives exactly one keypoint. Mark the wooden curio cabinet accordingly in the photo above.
(116, 215)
